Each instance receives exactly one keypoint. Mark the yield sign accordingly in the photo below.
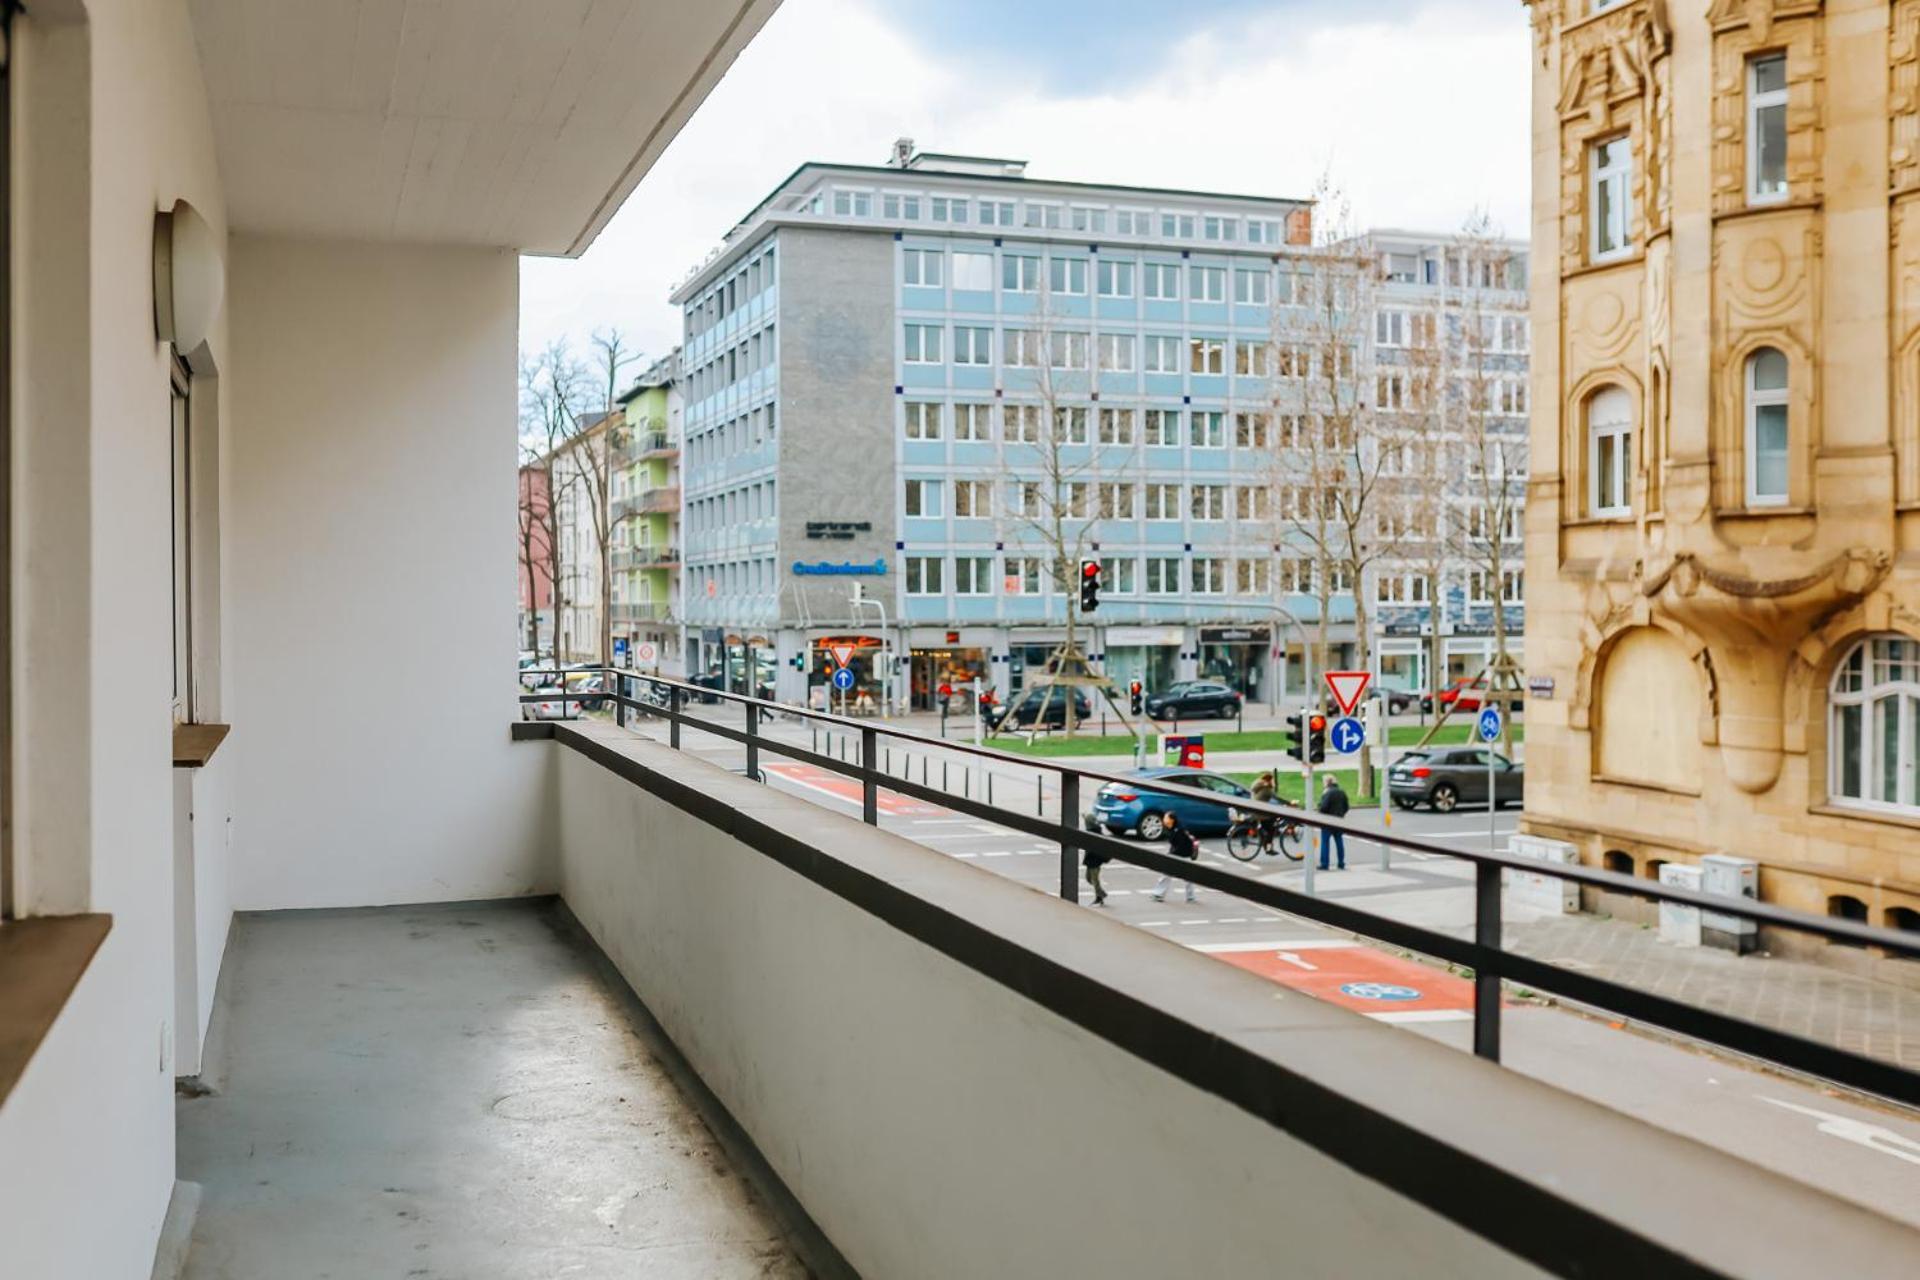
(842, 654)
(1348, 688)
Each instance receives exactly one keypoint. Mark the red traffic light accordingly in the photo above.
(1317, 723)
(1089, 568)
(1134, 687)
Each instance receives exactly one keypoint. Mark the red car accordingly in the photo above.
(1464, 695)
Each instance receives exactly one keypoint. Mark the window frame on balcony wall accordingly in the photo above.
(1755, 398)
(1602, 436)
(1759, 101)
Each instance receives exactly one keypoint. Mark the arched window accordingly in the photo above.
(1846, 907)
(1610, 452)
(1873, 725)
(1766, 428)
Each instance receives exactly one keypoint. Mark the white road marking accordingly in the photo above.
(1285, 944)
(1425, 1015)
(1848, 1129)
(1293, 958)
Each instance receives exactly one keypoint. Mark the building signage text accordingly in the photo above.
(840, 569)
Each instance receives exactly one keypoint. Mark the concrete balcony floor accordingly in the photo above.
(454, 1091)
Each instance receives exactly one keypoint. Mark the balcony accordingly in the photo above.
(645, 557)
(660, 500)
(644, 611)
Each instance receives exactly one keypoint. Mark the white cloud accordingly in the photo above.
(1420, 121)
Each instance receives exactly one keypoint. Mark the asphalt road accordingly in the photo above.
(1859, 1151)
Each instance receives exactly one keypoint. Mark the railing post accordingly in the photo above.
(869, 780)
(619, 701)
(673, 716)
(753, 743)
(1486, 984)
(1069, 851)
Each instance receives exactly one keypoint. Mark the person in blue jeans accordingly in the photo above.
(1333, 803)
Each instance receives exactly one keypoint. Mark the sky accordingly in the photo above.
(1416, 109)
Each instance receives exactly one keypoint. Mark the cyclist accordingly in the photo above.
(1263, 791)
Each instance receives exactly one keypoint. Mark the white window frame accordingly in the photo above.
(1873, 687)
(929, 578)
(915, 340)
(972, 575)
(913, 268)
(1026, 272)
(1758, 102)
(1206, 284)
(1115, 277)
(1618, 437)
(978, 418)
(978, 268)
(1755, 401)
(929, 495)
(1617, 180)
(931, 416)
(1067, 277)
(1156, 278)
(976, 496)
(972, 344)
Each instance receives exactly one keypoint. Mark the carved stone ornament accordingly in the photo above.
(1757, 16)
(1611, 58)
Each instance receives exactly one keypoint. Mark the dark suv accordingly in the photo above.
(1193, 699)
(1447, 777)
(1049, 707)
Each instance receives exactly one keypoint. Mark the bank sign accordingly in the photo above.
(840, 569)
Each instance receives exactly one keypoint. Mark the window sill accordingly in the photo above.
(1602, 779)
(41, 961)
(1595, 267)
(1763, 512)
(1624, 520)
(1871, 813)
(194, 744)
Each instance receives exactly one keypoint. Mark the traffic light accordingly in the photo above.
(1307, 736)
(1089, 585)
(1135, 697)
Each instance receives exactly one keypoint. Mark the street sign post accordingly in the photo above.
(843, 679)
(1489, 727)
(1348, 687)
(1347, 735)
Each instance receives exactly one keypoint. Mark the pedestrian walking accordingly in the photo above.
(1181, 844)
(1093, 860)
(1333, 803)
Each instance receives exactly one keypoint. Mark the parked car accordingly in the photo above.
(1048, 708)
(535, 670)
(1447, 777)
(1464, 694)
(1199, 799)
(550, 705)
(1193, 699)
(1400, 697)
(587, 677)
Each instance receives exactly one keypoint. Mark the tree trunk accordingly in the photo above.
(1363, 654)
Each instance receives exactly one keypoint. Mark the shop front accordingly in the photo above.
(1237, 658)
(868, 657)
(749, 664)
(1029, 654)
(1150, 655)
(950, 664)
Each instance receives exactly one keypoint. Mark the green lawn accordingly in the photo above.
(1289, 785)
(1113, 744)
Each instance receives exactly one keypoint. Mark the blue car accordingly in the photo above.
(1120, 808)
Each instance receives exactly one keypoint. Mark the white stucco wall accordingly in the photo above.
(374, 402)
(113, 126)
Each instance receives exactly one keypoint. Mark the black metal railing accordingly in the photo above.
(658, 697)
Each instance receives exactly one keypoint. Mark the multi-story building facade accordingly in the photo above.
(535, 621)
(1725, 505)
(871, 363)
(580, 473)
(645, 559)
(1448, 373)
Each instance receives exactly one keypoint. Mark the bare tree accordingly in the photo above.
(1332, 488)
(1057, 508)
(551, 385)
(535, 528)
(1426, 471)
(1488, 409)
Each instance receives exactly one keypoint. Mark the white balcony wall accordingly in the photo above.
(112, 125)
(373, 576)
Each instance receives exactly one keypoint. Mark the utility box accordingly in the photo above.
(1679, 923)
(1724, 875)
(1538, 889)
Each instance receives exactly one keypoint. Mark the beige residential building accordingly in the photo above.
(1723, 589)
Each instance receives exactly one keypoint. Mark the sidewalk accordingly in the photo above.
(1866, 1016)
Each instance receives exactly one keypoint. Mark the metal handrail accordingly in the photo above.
(1485, 954)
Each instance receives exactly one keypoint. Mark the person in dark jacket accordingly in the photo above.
(1333, 803)
(1093, 860)
(1181, 844)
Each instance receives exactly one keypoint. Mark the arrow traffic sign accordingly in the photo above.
(1348, 687)
(843, 679)
(1347, 735)
(842, 654)
(1489, 723)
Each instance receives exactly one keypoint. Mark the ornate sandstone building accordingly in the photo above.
(1723, 531)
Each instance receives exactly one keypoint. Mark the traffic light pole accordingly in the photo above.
(1309, 857)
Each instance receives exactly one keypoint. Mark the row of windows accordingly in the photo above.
(736, 506)
(1027, 575)
(972, 271)
(1044, 215)
(933, 498)
(1421, 330)
(746, 283)
(1610, 162)
(752, 353)
(1765, 436)
(1077, 349)
(736, 435)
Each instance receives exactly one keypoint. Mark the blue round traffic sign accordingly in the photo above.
(1378, 991)
(843, 678)
(1489, 723)
(1346, 735)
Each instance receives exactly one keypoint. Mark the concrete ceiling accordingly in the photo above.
(517, 123)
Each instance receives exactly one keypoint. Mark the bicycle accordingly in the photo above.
(1250, 835)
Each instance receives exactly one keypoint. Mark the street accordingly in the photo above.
(1861, 1150)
